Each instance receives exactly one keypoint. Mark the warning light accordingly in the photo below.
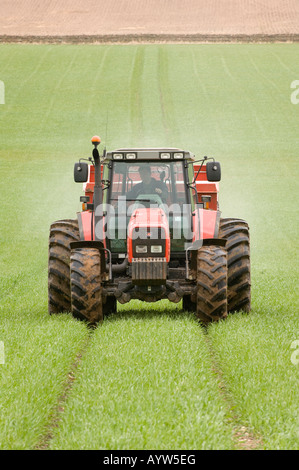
(95, 140)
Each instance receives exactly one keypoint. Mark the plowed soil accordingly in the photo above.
(151, 20)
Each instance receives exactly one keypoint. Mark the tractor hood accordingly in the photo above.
(148, 227)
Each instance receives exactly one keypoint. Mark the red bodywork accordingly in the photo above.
(86, 226)
(205, 221)
(205, 187)
(88, 187)
(146, 219)
(205, 224)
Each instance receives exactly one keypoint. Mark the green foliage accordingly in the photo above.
(147, 378)
(145, 383)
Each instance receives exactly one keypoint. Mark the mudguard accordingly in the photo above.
(205, 224)
(86, 226)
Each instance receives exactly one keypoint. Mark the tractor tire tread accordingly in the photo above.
(62, 233)
(211, 302)
(86, 289)
(236, 232)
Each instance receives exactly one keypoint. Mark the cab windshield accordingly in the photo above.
(154, 181)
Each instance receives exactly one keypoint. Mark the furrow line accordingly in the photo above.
(136, 95)
(58, 410)
(165, 95)
(244, 438)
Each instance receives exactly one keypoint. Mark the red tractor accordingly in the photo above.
(150, 229)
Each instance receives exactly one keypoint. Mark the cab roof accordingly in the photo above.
(162, 153)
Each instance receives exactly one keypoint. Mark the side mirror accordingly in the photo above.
(213, 171)
(81, 172)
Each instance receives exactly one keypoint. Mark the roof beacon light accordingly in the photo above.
(96, 140)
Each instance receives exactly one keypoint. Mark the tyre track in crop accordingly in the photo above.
(146, 390)
(136, 95)
(243, 437)
(96, 82)
(249, 105)
(58, 410)
(57, 86)
(198, 69)
(27, 79)
(166, 101)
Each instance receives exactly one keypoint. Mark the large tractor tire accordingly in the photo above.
(211, 301)
(86, 287)
(236, 231)
(62, 233)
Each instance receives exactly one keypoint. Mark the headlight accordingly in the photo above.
(178, 155)
(131, 156)
(141, 249)
(118, 156)
(156, 249)
(164, 156)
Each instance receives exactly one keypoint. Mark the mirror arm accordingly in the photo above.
(202, 162)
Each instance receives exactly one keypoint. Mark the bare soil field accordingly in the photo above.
(149, 20)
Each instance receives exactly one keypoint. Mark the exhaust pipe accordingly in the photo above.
(98, 192)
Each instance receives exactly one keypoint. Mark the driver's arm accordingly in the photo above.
(161, 190)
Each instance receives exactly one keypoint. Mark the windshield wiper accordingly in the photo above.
(131, 200)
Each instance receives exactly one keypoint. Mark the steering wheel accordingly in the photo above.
(148, 199)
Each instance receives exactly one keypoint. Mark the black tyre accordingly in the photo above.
(236, 231)
(211, 302)
(86, 287)
(62, 233)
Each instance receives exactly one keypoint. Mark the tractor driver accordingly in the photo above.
(148, 185)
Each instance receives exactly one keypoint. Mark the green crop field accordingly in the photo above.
(150, 377)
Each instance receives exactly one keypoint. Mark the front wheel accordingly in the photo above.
(211, 286)
(86, 286)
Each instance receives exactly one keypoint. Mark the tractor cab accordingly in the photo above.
(148, 179)
(168, 179)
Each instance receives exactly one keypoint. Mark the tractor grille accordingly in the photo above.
(149, 237)
(149, 271)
